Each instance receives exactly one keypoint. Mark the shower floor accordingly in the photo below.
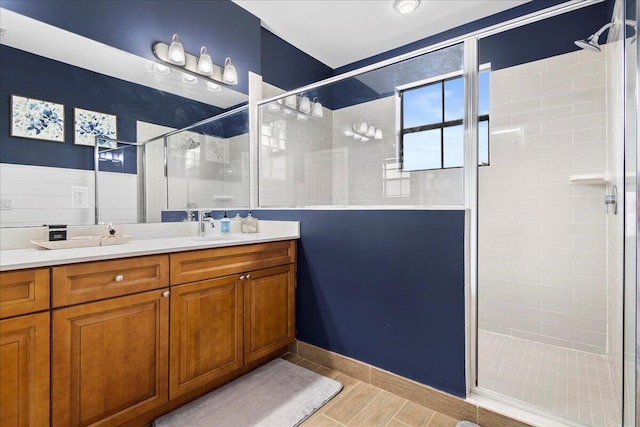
(571, 384)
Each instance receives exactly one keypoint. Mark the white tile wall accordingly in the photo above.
(31, 187)
(320, 165)
(543, 254)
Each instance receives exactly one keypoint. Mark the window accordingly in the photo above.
(432, 135)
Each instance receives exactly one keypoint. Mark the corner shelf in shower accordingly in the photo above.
(591, 179)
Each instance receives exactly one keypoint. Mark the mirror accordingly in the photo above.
(88, 84)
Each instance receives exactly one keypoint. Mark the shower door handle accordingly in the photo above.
(612, 199)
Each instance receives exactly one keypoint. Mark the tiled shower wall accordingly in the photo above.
(296, 161)
(373, 174)
(42, 195)
(313, 162)
(229, 189)
(542, 242)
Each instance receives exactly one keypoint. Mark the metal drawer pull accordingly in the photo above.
(241, 277)
(119, 278)
(166, 294)
(248, 276)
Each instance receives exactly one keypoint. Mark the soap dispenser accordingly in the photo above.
(225, 224)
(236, 223)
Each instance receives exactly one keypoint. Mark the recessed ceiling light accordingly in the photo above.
(406, 6)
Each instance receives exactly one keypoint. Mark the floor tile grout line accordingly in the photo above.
(365, 406)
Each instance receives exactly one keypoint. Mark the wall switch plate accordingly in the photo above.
(79, 197)
(5, 204)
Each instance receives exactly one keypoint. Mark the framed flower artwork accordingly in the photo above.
(91, 124)
(37, 119)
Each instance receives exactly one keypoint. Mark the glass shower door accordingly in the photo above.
(550, 253)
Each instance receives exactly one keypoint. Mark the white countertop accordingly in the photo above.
(14, 259)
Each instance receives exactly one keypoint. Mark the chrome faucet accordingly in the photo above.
(204, 216)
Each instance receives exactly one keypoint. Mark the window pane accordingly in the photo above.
(421, 150)
(483, 92)
(453, 99)
(483, 143)
(453, 146)
(422, 106)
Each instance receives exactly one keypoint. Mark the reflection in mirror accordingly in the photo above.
(37, 176)
(205, 166)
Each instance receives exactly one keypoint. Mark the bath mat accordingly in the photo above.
(466, 424)
(278, 394)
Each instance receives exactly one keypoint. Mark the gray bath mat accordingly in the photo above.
(466, 424)
(277, 394)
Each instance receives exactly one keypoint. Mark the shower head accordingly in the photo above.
(193, 144)
(590, 43)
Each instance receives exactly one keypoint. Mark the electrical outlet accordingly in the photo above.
(79, 197)
(5, 204)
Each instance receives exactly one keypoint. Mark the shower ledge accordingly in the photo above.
(591, 179)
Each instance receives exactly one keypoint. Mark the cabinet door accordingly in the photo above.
(269, 324)
(206, 332)
(110, 359)
(24, 371)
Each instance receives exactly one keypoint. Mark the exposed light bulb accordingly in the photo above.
(371, 131)
(378, 134)
(363, 127)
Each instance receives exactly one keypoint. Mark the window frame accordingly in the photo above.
(442, 125)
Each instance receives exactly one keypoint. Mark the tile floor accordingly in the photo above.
(361, 404)
(571, 384)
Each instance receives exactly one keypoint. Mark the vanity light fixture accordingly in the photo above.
(363, 131)
(405, 7)
(174, 56)
(302, 106)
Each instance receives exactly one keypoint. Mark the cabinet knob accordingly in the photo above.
(166, 294)
(241, 277)
(119, 278)
(248, 276)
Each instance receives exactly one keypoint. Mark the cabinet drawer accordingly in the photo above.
(209, 263)
(91, 281)
(23, 291)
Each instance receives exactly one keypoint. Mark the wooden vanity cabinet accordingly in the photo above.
(24, 370)
(206, 332)
(24, 348)
(269, 300)
(110, 353)
(240, 309)
(110, 359)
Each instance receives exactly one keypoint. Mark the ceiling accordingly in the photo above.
(340, 32)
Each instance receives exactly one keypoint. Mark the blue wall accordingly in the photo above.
(33, 76)
(135, 25)
(384, 287)
(287, 67)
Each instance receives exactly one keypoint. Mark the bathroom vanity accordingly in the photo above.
(121, 337)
